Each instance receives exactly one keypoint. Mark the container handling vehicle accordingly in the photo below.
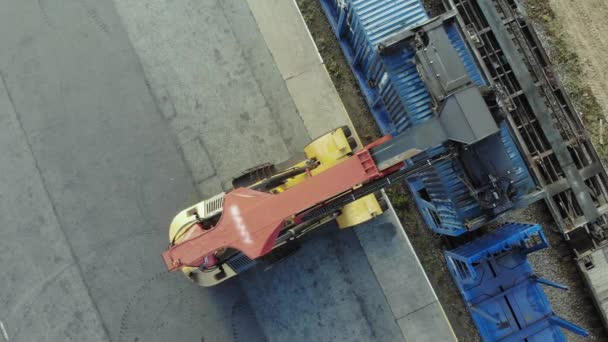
(473, 126)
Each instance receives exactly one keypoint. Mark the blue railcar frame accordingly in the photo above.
(500, 289)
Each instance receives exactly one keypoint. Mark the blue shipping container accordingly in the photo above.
(399, 100)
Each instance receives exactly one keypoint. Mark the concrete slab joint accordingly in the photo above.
(300, 65)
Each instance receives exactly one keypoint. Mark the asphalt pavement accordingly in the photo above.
(90, 177)
(115, 115)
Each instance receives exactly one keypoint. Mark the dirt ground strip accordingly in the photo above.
(571, 33)
(585, 24)
(553, 263)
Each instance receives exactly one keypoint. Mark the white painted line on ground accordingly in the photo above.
(4, 333)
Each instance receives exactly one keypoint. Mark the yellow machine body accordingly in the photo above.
(328, 150)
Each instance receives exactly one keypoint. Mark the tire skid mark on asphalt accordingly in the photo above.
(4, 333)
(124, 321)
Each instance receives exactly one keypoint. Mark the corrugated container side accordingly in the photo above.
(399, 100)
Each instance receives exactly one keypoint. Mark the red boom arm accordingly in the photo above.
(252, 220)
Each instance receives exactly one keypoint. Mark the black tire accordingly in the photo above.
(352, 143)
(346, 130)
(280, 254)
(254, 175)
(382, 202)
